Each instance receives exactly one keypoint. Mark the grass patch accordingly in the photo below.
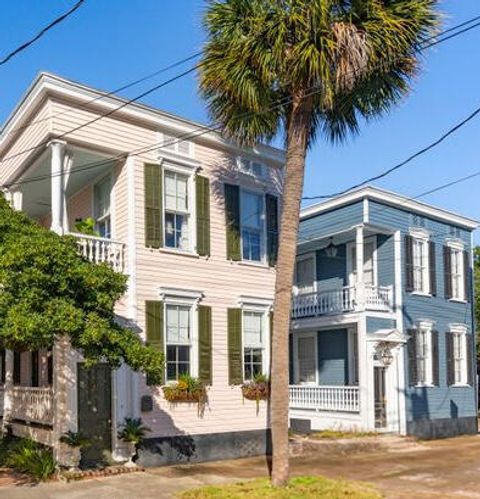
(338, 434)
(307, 487)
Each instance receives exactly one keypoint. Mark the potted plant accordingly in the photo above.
(186, 389)
(256, 389)
(132, 433)
(86, 226)
(74, 441)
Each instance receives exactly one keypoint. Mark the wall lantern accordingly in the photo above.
(384, 354)
(331, 250)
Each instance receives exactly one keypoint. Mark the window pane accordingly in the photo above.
(184, 354)
(252, 324)
(252, 210)
(170, 240)
(178, 324)
(102, 198)
(182, 203)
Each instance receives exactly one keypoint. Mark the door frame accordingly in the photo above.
(296, 336)
(352, 244)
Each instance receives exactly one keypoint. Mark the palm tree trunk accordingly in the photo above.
(298, 131)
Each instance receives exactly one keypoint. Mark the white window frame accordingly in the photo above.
(104, 178)
(263, 236)
(459, 332)
(456, 248)
(296, 366)
(191, 199)
(427, 328)
(183, 298)
(422, 238)
(262, 306)
(351, 273)
(246, 166)
(301, 258)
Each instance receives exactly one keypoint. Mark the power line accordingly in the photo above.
(42, 32)
(109, 94)
(423, 151)
(199, 132)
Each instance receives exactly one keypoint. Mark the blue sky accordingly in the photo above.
(108, 43)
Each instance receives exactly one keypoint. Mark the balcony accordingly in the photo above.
(101, 250)
(342, 300)
(33, 405)
(325, 398)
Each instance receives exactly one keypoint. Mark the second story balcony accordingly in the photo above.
(342, 300)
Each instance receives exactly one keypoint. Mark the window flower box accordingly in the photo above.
(186, 389)
(256, 389)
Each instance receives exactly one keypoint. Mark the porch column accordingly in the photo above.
(8, 390)
(64, 395)
(17, 200)
(57, 148)
(360, 291)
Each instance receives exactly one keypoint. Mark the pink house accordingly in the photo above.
(192, 219)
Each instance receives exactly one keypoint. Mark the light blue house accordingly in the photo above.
(382, 319)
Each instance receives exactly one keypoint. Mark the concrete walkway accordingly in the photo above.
(447, 468)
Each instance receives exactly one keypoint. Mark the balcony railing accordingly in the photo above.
(325, 398)
(34, 405)
(341, 300)
(101, 250)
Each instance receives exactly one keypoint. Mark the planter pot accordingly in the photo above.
(70, 457)
(132, 450)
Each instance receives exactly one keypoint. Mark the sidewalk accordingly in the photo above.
(447, 468)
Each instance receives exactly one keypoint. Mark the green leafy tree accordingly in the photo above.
(304, 69)
(48, 290)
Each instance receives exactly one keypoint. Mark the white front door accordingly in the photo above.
(369, 271)
(306, 359)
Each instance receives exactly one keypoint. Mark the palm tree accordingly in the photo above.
(302, 69)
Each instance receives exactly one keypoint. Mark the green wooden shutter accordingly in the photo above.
(466, 275)
(203, 215)
(235, 364)
(153, 205)
(232, 214)
(470, 358)
(154, 326)
(447, 271)
(408, 263)
(432, 268)
(450, 359)
(271, 203)
(412, 357)
(205, 344)
(435, 359)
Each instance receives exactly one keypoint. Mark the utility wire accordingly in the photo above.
(199, 132)
(42, 32)
(108, 94)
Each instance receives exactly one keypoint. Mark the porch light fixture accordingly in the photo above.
(331, 250)
(386, 355)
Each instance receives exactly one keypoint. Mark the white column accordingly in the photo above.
(360, 291)
(17, 200)
(67, 168)
(8, 388)
(57, 148)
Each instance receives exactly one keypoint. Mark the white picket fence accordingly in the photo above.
(325, 398)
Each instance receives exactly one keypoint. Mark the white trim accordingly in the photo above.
(392, 199)
(366, 211)
(352, 335)
(455, 244)
(254, 302)
(353, 244)
(47, 84)
(172, 295)
(266, 337)
(426, 326)
(131, 239)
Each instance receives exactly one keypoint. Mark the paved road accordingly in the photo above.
(448, 468)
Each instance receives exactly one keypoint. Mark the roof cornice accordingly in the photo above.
(48, 85)
(391, 199)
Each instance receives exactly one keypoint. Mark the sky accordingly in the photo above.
(108, 43)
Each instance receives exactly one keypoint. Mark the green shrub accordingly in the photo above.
(31, 458)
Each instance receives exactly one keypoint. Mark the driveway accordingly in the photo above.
(445, 468)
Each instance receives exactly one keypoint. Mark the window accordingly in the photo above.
(305, 274)
(175, 144)
(253, 225)
(252, 168)
(420, 265)
(101, 203)
(253, 344)
(460, 356)
(457, 274)
(176, 211)
(178, 341)
(424, 355)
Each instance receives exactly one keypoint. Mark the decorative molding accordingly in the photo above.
(245, 301)
(185, 295)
